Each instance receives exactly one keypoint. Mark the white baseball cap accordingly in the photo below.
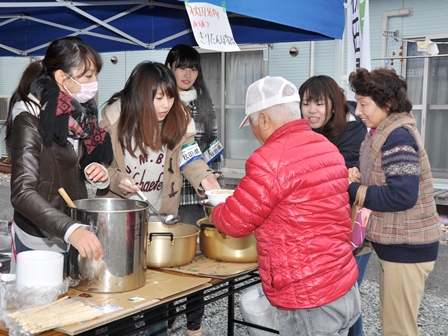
(266, 93)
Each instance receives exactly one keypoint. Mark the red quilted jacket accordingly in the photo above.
(294, 197)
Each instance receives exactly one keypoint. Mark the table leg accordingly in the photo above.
(231, 310)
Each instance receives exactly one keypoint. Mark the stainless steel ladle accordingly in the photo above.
(163, 217)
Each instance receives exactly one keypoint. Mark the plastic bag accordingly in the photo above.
(24, 297)
(256, 309)
(34, 320)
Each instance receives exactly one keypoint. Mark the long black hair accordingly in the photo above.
(185, 56)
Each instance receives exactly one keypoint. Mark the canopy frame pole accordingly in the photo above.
(27, 4)
(169, 38)
(12, 19)
(108, 26)
(76, 31)
(11, 49)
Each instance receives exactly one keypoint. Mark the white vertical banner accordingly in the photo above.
(358, 38)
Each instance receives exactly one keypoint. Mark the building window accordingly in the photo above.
(228, 76)
(427, 78)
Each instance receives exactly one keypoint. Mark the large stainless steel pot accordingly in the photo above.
(171, 245)
(219, 246)
(120, 225)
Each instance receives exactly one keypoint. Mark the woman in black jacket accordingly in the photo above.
(51, 133)
(323, 103)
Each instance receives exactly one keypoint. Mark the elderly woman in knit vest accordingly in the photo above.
(404, 226)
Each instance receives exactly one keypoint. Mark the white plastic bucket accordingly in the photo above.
(40, 268)
(256, 309)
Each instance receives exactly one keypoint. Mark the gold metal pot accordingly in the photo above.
(170, 245)
(219, 246)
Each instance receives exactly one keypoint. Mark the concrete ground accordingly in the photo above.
(6, 211)
(437, 283)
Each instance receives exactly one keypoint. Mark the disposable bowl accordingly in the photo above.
(218, 196)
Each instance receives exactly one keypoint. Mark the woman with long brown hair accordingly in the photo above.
(153, 140)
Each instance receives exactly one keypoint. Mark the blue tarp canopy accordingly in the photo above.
(27, 27)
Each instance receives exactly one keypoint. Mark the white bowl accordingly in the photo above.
(218, 195)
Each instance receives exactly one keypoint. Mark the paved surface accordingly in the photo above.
(6, 210)
(437, 283)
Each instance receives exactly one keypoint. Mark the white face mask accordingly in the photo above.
(87, 92)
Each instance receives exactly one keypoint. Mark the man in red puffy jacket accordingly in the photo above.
(294, 198)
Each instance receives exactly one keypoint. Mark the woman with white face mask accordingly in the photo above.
(87, 90)
(51, 133)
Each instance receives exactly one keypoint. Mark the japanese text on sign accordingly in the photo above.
(203, 11)
(211, 27)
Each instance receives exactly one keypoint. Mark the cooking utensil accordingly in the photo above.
(66, 198)
(164, 218)
(169, 219)
(219, 246)
(171, 245)
(121, 227)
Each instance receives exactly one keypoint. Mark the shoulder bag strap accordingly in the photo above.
(361, 195)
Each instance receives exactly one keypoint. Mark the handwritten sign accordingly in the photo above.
(211, 27)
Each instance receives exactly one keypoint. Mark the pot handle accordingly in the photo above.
(204, 228)
(161, 234)
(207, 226)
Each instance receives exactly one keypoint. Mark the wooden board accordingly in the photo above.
(203, 266)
